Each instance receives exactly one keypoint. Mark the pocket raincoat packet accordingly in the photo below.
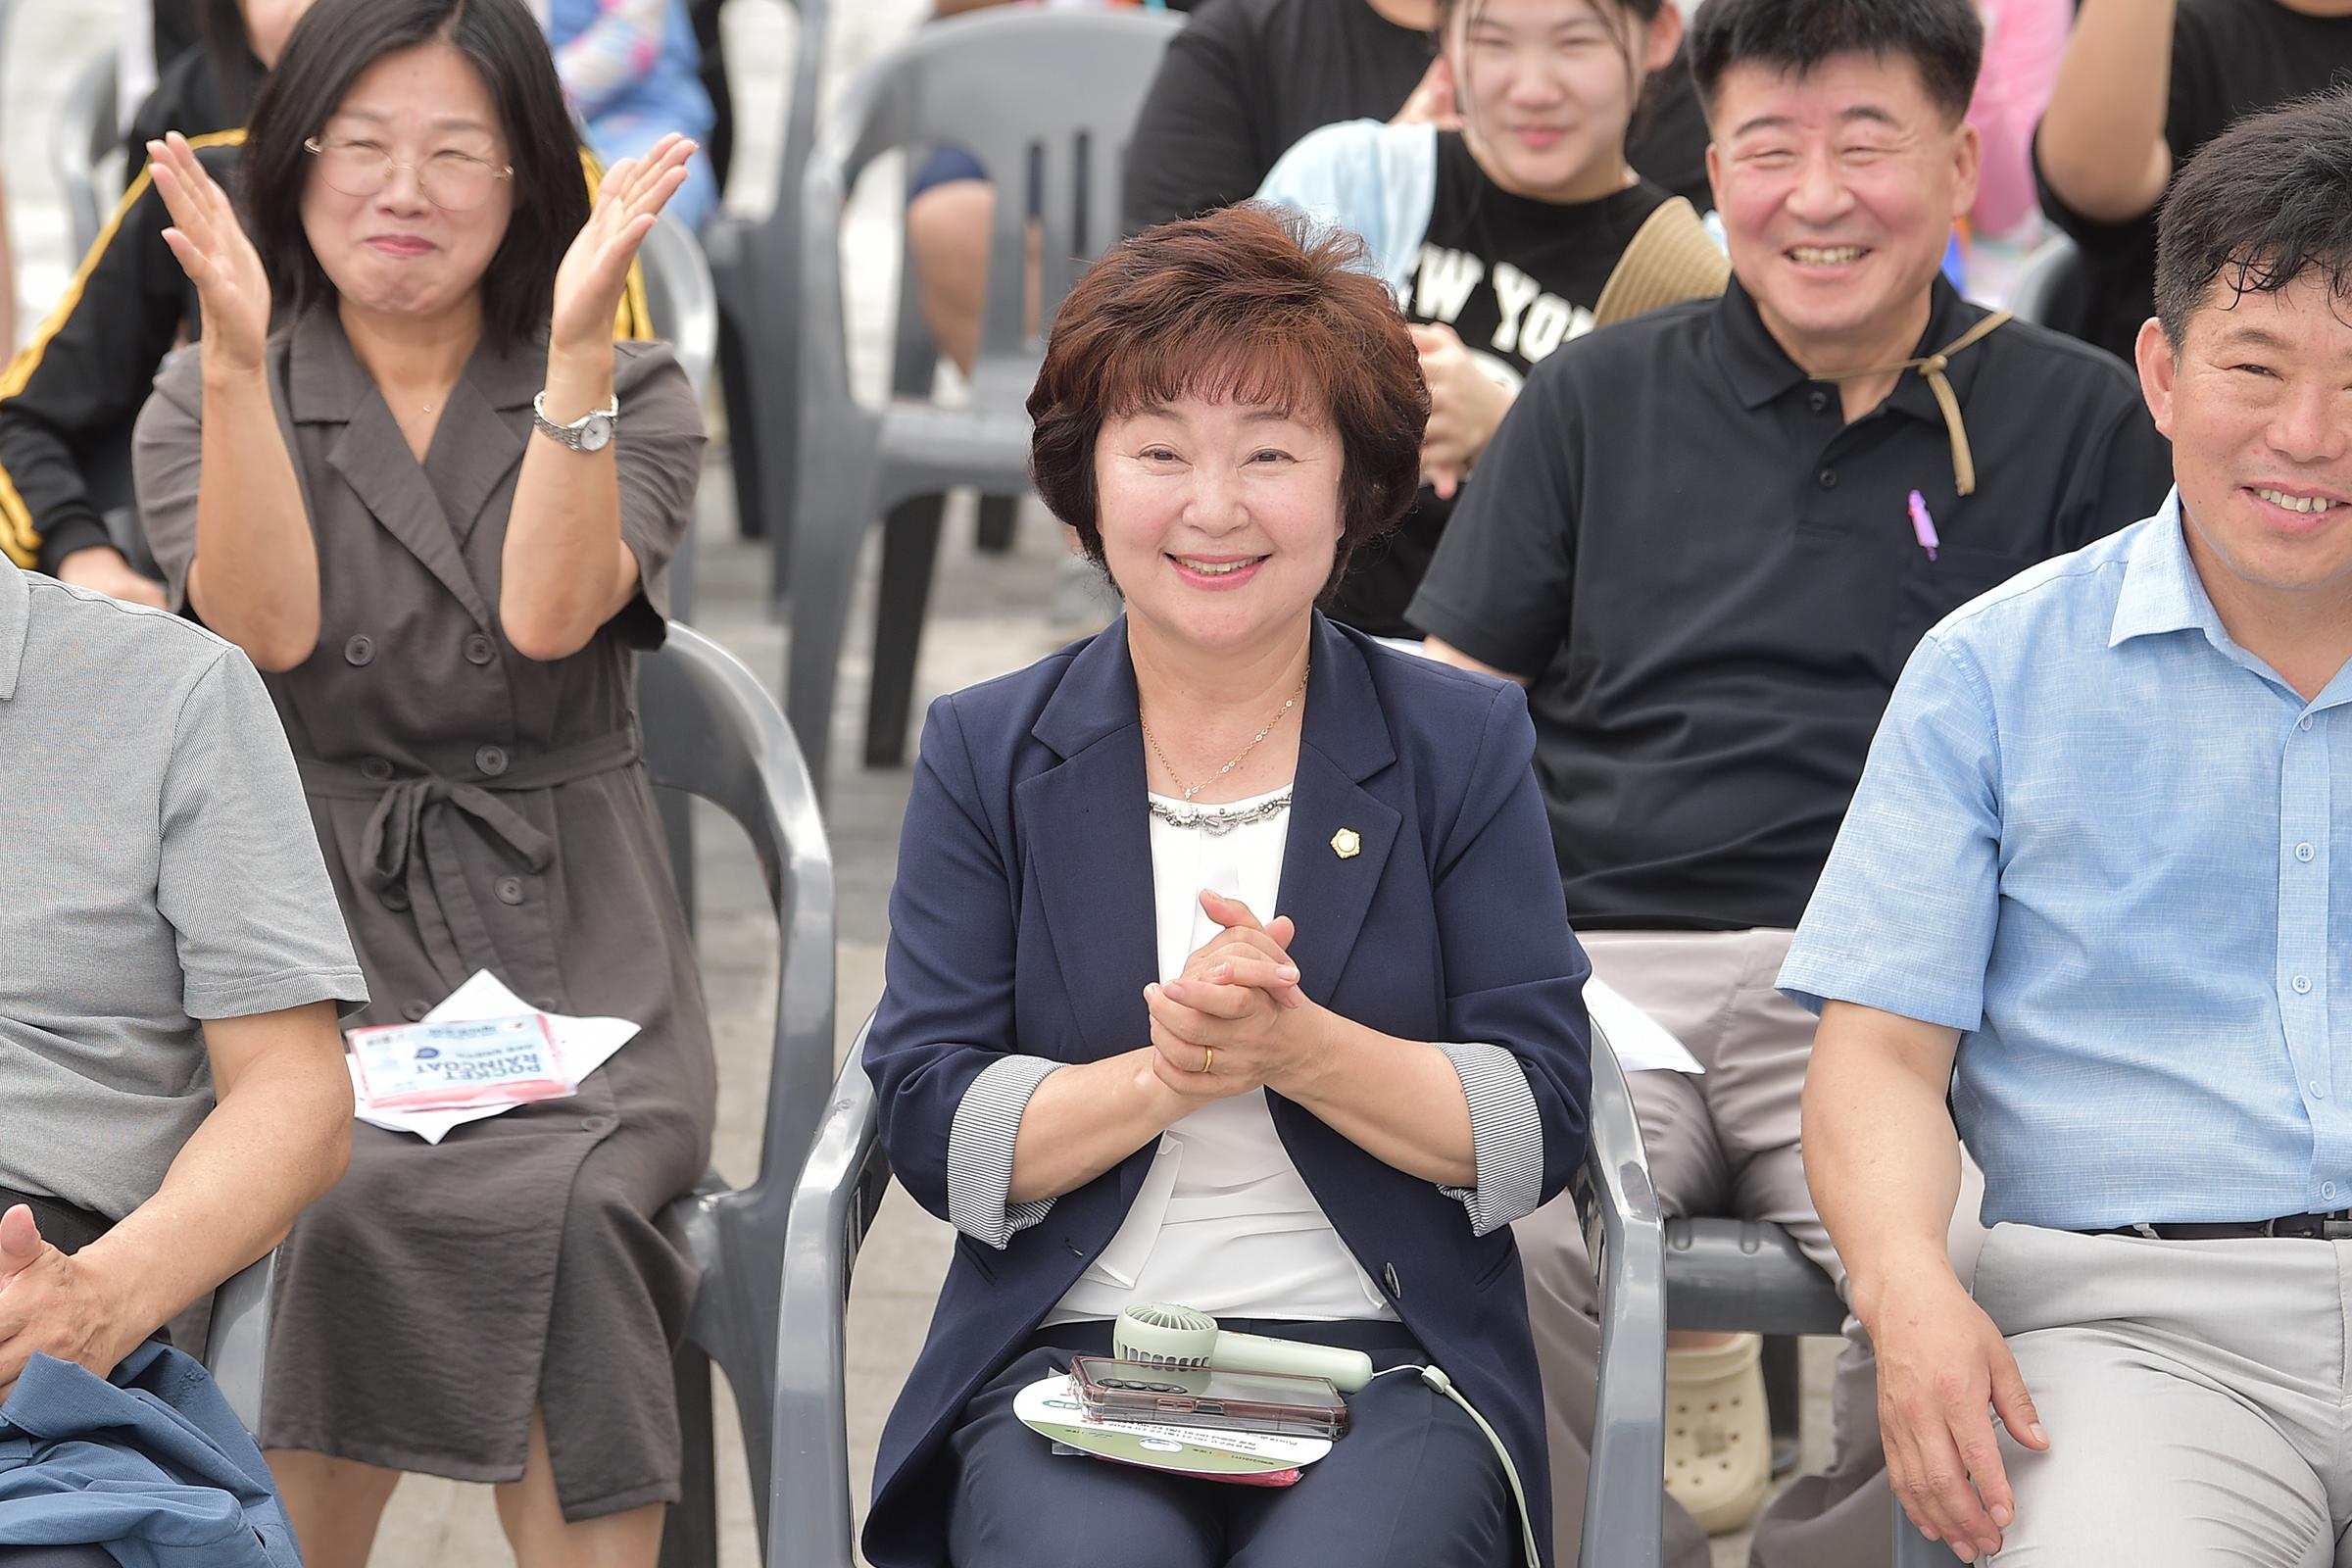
(456, 1065)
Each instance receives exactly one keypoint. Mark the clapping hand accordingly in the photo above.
(1465, 405)
(1235, 1020)
(232, 289)
(595, 271)
(1433, 101)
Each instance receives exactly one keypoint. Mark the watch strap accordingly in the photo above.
(570, 434)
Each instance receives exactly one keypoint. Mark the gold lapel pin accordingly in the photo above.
(1346, 843)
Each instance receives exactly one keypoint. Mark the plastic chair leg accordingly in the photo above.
(996, 515)
(690, 1528)
(1783, 1399)
(744, 443)
(910, 551)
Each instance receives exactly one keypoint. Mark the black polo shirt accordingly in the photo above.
(1715, 579)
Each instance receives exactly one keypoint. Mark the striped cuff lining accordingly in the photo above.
(1506, 1136)
(980, 1151)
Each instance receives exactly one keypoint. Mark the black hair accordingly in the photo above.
(229, 54)
(2266, 201)
(1943, 39)
(328, 50)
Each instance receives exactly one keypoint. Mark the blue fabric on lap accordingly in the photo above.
(151, 1463)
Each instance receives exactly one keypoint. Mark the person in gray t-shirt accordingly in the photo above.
(171, 1075)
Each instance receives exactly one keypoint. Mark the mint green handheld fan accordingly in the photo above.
(1179, 1341)
(1180, 1338)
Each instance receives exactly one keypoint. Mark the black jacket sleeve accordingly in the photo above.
(67, 403)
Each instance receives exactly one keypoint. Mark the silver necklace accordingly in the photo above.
(1218, 821)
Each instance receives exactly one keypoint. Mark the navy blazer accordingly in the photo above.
(1023, 922)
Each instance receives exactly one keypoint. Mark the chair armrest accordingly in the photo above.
(237, 1340)
(808, 1515)
(1732, 1276)
(1624, 1497)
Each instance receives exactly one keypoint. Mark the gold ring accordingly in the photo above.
(1209, 1060)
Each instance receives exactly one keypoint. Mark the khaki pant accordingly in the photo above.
(1725, 1143)
(2194, 1393)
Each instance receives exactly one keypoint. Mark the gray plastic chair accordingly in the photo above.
(808, 1516)
(86, 134)
(1044, 100)
(2049, 271)
(682, 299)
(685, 312)
(1726, 1276)
(755, 265)
(711, 731)
(236, 1342)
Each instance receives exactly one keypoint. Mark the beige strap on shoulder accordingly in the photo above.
(1930, 368)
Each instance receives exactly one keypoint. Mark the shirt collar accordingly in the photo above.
(326, 383)
(15, 624)
(2161, 592)
(1759, 370)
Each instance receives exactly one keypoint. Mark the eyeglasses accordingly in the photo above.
(451, 181)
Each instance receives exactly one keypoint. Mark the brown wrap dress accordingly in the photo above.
(481, 811)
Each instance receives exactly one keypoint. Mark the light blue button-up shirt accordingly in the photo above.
(2114, 849)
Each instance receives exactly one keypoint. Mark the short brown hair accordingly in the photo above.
(1250, 303)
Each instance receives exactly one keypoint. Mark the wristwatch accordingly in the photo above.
(590, 432)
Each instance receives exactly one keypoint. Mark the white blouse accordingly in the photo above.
(1223, 1223)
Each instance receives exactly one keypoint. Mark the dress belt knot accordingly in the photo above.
(411, 841)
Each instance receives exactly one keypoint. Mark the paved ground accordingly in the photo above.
(994, 618)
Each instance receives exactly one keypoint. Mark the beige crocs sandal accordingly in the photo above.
(1718, 1433)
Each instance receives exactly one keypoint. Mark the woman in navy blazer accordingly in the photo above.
(1364, 1090)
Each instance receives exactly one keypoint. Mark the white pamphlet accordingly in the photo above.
(584, 1044)
(1642, 1043)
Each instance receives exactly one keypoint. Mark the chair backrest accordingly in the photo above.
(86, 133)
(799, 117)
(1043, 99)
(679, 297)
(711, 731)
(2035, 292)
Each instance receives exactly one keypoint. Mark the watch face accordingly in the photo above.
(596, 433)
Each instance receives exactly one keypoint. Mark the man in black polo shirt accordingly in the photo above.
(1708, 538)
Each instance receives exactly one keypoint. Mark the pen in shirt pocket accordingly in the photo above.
(1923, 526)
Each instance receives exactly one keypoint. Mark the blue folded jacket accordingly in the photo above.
(151, 1464)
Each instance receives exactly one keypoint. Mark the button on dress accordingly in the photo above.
(481, 811)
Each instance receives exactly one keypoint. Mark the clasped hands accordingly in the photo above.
(1235, 1019)
(50, 1302)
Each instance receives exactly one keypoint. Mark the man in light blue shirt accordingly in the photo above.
(2097, 883)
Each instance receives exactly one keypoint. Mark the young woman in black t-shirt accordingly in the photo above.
(1497, 236)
